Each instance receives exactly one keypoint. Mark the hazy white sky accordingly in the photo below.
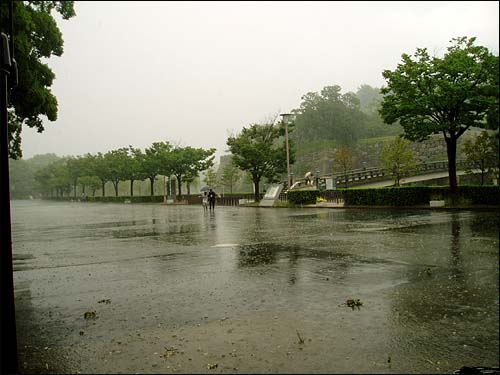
(134, 73)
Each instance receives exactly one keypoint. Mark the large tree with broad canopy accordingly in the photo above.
(447, 95)
(260, 150)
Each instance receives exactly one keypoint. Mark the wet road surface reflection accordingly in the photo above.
(179, 290)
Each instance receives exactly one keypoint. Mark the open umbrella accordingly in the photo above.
(206, 188)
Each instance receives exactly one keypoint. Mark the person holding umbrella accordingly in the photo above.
(211, 199)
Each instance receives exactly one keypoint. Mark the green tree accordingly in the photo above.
(482, 152)
(92, 182)
(54, 177)
(100, 168)
(156, 160)
(448, 95)
(41, 161)
(189, 178)
(117, 166)
(328, 115)
(343, 161)
(36, 37)
(260, 150)
(134, 170)
(42, 181)
(75, 170)
(22, 174)
(189, 161)
(369, 99)
(21, 178)
(166, 162)
(210, 178)
(87, 177)
(42, 178)
(398, 158)
(230, 175)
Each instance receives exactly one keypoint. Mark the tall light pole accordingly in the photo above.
(285, 118)
(164, 189)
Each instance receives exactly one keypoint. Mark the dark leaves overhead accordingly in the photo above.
(36, 36)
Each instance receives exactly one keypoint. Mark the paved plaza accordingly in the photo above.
(151, 288)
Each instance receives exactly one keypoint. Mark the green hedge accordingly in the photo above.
(488, 195)
(419, 195)
(302, 196)
(136, 199)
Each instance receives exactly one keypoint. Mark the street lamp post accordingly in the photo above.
(285, 118)
(164, 189)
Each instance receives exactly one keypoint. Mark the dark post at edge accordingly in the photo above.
(8, 351)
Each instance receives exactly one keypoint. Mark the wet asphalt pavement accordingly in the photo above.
(174, 289)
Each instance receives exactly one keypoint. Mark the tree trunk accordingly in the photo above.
(103, 188)
(451, 150)
(482, 168)
(455, 240)
(172, 187)
(179, 184)
(498, 159)
(131, 188)
(115, 183)
(256, 183)
(152, 182)
(74, 189)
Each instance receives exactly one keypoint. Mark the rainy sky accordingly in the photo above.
(193, 73)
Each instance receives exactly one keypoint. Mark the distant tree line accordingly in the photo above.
(93, 171)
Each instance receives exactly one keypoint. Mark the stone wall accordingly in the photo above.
(368, 151)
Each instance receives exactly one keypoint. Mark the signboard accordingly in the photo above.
(271, 196)
(273, 192)
(329, 183)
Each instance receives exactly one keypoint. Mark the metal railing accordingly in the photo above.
(223, 199)
(361, 176)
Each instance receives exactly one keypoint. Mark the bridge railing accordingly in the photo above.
(362, 175)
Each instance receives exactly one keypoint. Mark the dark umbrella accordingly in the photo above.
(206, 188)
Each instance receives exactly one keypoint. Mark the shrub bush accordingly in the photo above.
(134, 199)
(302, 196)
(480, 194)
(421, 195)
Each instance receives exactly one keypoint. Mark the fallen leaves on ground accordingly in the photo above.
(90, 315)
